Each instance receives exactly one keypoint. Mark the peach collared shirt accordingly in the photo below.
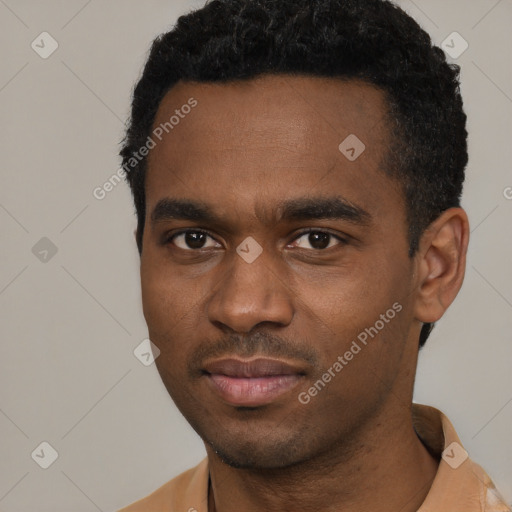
(460, 484)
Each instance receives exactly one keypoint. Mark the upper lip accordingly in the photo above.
(253, 368)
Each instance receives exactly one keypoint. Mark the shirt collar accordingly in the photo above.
(460, 483)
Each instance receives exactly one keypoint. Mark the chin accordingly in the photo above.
(262, 454)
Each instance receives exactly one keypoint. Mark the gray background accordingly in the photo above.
(70, 323)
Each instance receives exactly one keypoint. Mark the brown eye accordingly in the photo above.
(192, 240)
(318, 240)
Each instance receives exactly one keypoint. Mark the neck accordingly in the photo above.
(387, 468)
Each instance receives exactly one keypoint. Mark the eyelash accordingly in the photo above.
(342, 241)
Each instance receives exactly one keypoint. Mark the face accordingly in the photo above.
(275, 274)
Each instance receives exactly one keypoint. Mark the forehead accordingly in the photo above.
(259, 141)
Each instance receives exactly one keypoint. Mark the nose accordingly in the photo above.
(250, 294)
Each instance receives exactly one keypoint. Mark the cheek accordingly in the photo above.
(165, 312)
(173, 309)
(167, 301)
(362, 348)
(361, 302)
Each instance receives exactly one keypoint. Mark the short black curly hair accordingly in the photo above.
(370, 40)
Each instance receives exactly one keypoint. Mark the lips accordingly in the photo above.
(261, 367)
(251, 383)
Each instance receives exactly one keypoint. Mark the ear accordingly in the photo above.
(441, 264)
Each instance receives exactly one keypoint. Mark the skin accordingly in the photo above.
(246, 148)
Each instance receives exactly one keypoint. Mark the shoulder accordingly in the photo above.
(491, 499)
(186, 492)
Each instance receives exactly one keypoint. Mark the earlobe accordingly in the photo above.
(441, 264)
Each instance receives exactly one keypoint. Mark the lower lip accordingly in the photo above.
(253, 391)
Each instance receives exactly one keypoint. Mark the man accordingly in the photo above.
(297, 167)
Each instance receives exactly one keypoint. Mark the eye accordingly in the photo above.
(318, 240)
(192, 240)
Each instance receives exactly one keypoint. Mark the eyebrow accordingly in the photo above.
(336, 208)
(303, 209)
